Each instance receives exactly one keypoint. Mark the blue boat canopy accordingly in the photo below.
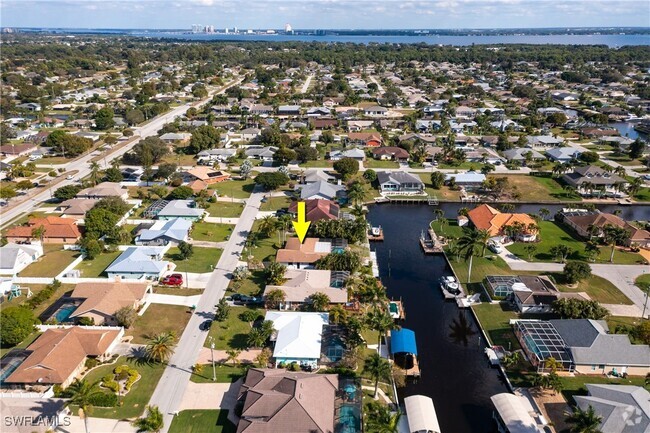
(403, 341)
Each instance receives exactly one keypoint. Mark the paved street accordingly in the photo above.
(172, 385)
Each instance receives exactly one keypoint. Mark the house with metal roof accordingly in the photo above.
(471, 180)
(184, 209)
(321, 190)
(16, 257)
(139, 263)
(297, 337)
(164, 232)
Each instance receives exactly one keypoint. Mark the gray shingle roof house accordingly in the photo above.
(321, 189)
(261, 152)
(164, 232)
(397, 181)
(139, 263)
(592, 174)
(623, 408)
(519, 154)
(562, 154)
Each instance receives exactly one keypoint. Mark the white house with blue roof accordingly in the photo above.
(165, 232)
(139, 263)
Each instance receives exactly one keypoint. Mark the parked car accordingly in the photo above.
(205, 325)
(172, 280)
(495, 247)
(240, 299)
(69, 177)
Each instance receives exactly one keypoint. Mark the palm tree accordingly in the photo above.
(94, 172)
(160, 347)
(337, 314)
(233, 356)
(377, 368)
(511, 359)
(356, 192)
(153, 422)
(584, 421)
(634, 186)
(358, 211)
(319, 301)
(82, 393)
(382, 420)
(268, 225)
(614, 235)
(544, 213)
(379, 320)
(469, 245)
(39, 233)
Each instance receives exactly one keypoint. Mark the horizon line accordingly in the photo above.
(334, 29)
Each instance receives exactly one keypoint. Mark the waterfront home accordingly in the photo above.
(592, 178)
(16, 257)
(317, 209)
(297, 337)
(485, 217)
(471, 180)
(100, 301)
(522, 154)
(166, 210)
(543, 141)
(314, 175)
(207, 175)
(277, 400)
(391, 182)
(58, 356)
(583, 346)
(297, 255)
(139, 263)
(588, 224)
(56, 230)
(515, 414)
(321, 190)
(529, 293)
(164, 232)
(301, 284)
(104, 190)
(562, 154)
(389, 153)
(622, 408)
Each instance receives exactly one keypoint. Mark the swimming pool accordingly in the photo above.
(349, 419)
(64, 313)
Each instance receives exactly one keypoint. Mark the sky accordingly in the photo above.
(324, 14)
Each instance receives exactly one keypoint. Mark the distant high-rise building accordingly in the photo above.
(197, 28)
(249, 31)
(226, 31)
(235, 30)
(287, 28)
(209, 29)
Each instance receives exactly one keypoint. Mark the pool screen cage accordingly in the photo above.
(540, 340)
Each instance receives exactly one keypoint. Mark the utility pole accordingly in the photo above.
(214, 372)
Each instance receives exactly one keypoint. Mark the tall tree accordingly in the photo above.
(82, 394)
(469, 244)
(377, 368)
(584, 421)
(160, 347)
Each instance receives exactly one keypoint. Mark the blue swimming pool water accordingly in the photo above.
(349, 419)
(64, 313)
(9, 368)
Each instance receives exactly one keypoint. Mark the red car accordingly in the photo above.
(172, 280)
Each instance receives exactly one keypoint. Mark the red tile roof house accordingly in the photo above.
(390, 153)
(57, 231)
(582, 224)
(485, 217)
(316, 209)
(207, 175)
(58, 356)
(367, 139)
(276, 400)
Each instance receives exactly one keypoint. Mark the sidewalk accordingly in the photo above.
(220, 220)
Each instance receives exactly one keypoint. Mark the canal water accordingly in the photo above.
(456, 376)
(455, 373)
(626, 129)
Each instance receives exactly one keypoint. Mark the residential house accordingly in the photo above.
(249, 134)
(259, 109)
(321, 190)
(359, 125)
(592, 223)
(19, 149)
(276, 400)
(297, 255)
(76, 207)
(100, 301)
(216, 154)
(265, 153)
(391, 153)
(318, 112)
(485, 217)
(529, 293)
(301, 284)
(592, 178)
(16, 257)
(104, 190)
(205, 174)
(324, 123)
(563, 154)
(470, 181)
(297, 337)
(354, 153)
(367, 139)
(57, 230)
(391, 182)
(29, 106)
(375, 111)
(621, 408)
(139, 263)
(132, 174)
(165, 232)
(314, 175)
(176, 137)
(184, 209)
(582, 346)
(58, 355)
(317, 209)
(522, 154)
(289, 110)
(544, 141)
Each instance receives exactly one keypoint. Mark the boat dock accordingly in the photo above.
(431, 244)
(376, 234)
(431, 200)
(396, 310)
(373, 262)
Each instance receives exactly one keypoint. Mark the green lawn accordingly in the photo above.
(553, 190)
(138, 397)
(54, 260)
(235, 188)
(444, 193)
(643, 281)
(643, 195)
(321, 163)
(599, 289)
(252, 286)
(481, 267)
(225, 209)
(494, 320)
(224, 373)
(202, 231)
(276, 203)
(95, 268)
(266, 248)
(157, 319)
(177, 291)
(23, 344)
(202, 421)
(576, 385)
(231, 333)
(552, 234)
(203, 260)
(377, 163)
